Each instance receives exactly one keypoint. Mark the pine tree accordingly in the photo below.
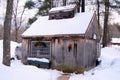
(29, 4)
(44, 9)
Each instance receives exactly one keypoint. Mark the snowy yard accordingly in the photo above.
(108, 70)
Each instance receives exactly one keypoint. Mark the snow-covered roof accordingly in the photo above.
(63, 8)
(115, 40)
(45, 27)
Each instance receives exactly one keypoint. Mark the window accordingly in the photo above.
(40, 49)
(94, 36)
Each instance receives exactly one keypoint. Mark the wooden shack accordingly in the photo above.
(71, 44)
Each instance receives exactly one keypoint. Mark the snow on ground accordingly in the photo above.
(13, 45)
(18, 71)
(109, 69)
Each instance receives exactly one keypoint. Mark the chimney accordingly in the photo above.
(78, 6)
(64, 2)
(83, 6)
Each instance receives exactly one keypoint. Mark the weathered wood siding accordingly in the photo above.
(82, 55)
(93, 32)
(93, 29)
(25, 50)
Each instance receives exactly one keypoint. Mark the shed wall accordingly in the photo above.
(81, 56)
(93, 32)
(93, 29)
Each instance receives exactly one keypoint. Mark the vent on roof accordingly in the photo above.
(62, 12)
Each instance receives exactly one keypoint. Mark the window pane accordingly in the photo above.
(40, 49)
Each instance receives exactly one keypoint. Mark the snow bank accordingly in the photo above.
(13, 46)
(108, 55)
(18, 71)
(107, 70)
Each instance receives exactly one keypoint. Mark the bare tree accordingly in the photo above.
(7, 28)
(17, 21)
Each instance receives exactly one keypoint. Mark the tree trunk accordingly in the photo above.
(64, 2)
(106, 17)
(16, 34)
(83, 6)
(7, 28)
(98, 10)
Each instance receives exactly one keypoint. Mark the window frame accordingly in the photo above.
(36, 53)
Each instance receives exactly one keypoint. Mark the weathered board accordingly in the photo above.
(25, 50)
(81, 56)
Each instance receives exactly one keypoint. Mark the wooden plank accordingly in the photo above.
(69, 57)
(24, 50)
(57, 54)
(64, 77)
(81, 56)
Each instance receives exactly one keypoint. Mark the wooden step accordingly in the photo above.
(64, 77)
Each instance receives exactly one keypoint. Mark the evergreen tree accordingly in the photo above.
(29, 4)
(44, 9)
